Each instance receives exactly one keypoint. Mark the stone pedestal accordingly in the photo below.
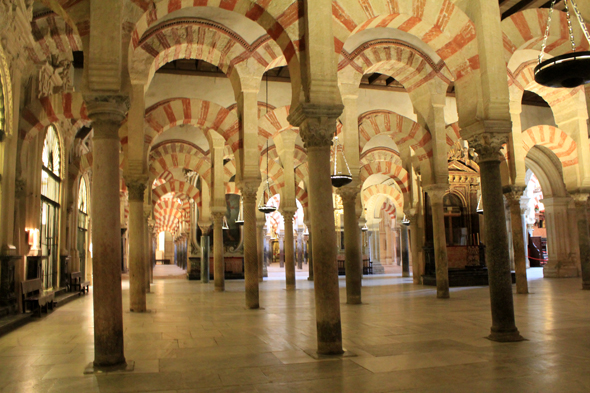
(107, 113)
(352, 246)
(488, 148)
(219, 267)
(513, 194)
(138, 274)
(436, 194)
(289, 254)
(250, 252)
(581, 201)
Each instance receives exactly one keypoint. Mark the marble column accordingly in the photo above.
(513, 195)
(416, 266)
(267, 254)
(405, 246)
(488, 147)
(106, 113)
(317, 125)
(299, 249)
(260, 247)
(436, 193)
(218, 263)
(281, 236)
(352, 246)
(309, 255)
(205, 249)
(289, 254)
(137, 270)
(561, 262)
(581, 202)
(249, 190)
(146, 250)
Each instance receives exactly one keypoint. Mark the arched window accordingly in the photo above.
(50, 192)
(82, 224)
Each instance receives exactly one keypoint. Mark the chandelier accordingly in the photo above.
(240, 219)
(265, 207)
(340, 179)
(571, 69)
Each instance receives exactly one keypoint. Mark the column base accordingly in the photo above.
(378, 268)
(406, 274)
(219, 289)
(586, 286)
(506, 337)
(124, 367)
(291, 287)
(557, 271)
(309, 278)
(354, 300)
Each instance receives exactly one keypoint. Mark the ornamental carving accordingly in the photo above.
(488, 146)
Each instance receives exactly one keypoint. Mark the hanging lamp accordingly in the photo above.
(240, 219)
(340, 179)
(479, 208)
(406, 221)
(224, 226)
(265, 207)
(365, 228)
(571, 69)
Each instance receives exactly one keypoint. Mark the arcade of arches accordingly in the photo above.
(139, 138)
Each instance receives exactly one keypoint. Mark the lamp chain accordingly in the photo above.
(569, 26)
(544, 45)
(581, 20)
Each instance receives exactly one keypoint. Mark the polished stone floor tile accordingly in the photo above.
(403, 338)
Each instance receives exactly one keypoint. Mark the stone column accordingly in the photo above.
(300, 249)
(260, 247)
(581, 202)
(317, 125)
(137, 268)
(488, 148)
(352, 246)
(524, 201)
(513, 194)
(107, 113)
(559, 244)
(416, 265)
(205, 256)
(436, 193)
(405, 246)
(309, 255)
(146, 249)
(288, 244)
(219, 265)
(267, 255)
(249, 190)
(281, 236)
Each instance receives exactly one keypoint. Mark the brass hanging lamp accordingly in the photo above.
(479, 208)
(571, 69)
(224, 226)
(340, 179)
(240, 219)
(264, 207)
(406, 221)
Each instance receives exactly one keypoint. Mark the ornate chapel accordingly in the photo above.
(294, 195)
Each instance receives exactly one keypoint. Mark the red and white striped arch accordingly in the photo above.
(453, 133)
(35, 117)
(167, 156)
(199, 113)
(409, 66)
(438, 23)
(163, 178)
(561, 144)
(404, 132)
(526, 30)
(380, 154)
(53, 37)
(389, 209)
(280, 19)
(176, 187)
(371, 193)
(389, 169)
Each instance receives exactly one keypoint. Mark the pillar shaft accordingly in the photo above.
(260, 248)
(352, 247)
(497, 255)
(107, 115)
(436, 194)
(416, 266)
(513, 195)
(327, 298)
(205, 258)
(289, 254)
(405, 246)
(219, 265)
(309, 255)
(137, 266)
(581, 201)
(250, 249)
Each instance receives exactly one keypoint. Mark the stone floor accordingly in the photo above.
(196, 340)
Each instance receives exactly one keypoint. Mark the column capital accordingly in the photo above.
(349, 193)
(513, 194)
(488, 145)
(436, 192)
(288, 213)
(317, 123)
(581, 199)
(136, 185)
(107, 107)
(217, 217)
(249, 190)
